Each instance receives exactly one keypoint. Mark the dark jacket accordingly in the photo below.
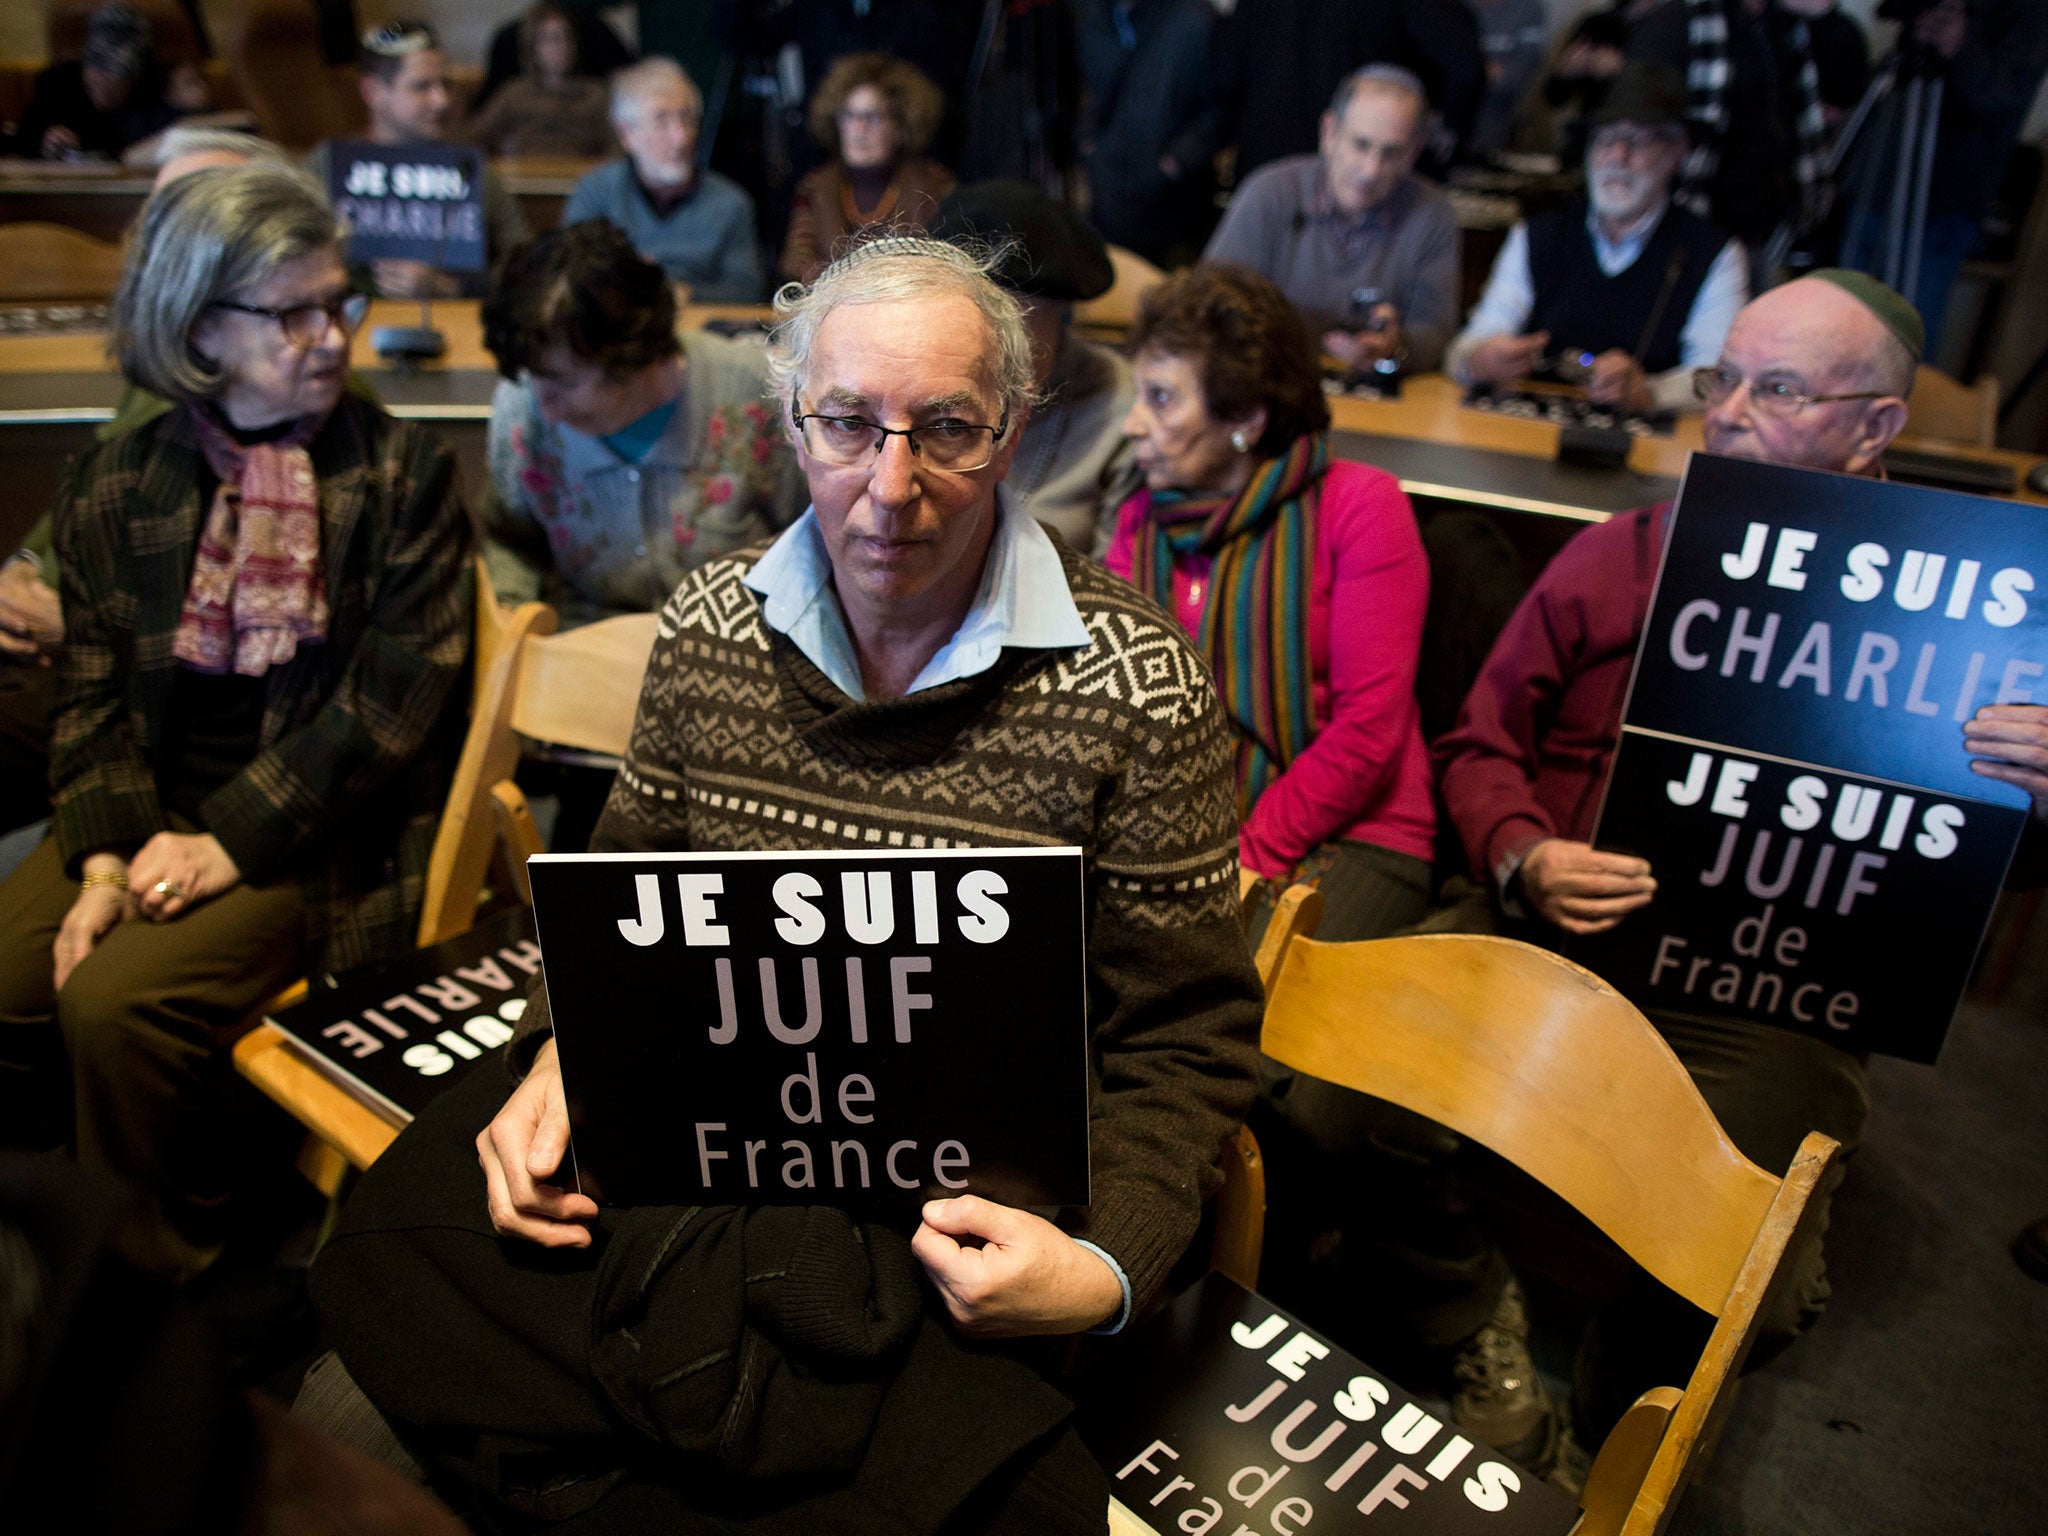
(358, 734)
(1149, 100)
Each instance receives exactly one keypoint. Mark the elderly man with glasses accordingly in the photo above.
(913, 662)
(1813, 374)
(1616, 289)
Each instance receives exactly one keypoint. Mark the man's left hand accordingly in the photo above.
(1361, 349)
(2009, 742)
(1003, 1272)
(1617, 380)
(398, 278)
(191, 866)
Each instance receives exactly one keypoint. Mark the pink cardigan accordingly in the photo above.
(1365, 777)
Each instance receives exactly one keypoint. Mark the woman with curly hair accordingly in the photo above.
(875, 113)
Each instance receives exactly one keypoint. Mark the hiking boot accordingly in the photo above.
(1499, 1398)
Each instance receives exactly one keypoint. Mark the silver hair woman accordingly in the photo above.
(267, 607)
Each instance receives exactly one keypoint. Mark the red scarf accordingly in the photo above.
(257, 589)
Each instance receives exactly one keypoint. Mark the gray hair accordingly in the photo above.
(175, 143)
(889, 270)
(206, 237)
(629, 83)
(1384, 77)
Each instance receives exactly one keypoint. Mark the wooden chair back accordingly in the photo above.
(52, 264)
(577, 689)
(1952, 411)
(1116, 309)
(1544, 1063)
(298, 97)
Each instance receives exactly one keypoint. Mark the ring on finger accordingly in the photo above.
(169, 888)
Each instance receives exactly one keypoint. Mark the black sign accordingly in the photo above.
(1792, 761)
(863, 1028)
(413, 202)
(1224, 1414)
(398, 1033)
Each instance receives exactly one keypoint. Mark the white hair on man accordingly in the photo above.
(633, 82)
(888, 270)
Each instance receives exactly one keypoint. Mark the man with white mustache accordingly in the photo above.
(1617, 290)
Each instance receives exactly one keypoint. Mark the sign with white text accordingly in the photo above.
(1222, 1413)
(411, 202)
(399, 1032)
(1791, 760)
(867, 1028)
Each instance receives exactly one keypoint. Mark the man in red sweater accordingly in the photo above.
(1812, 374)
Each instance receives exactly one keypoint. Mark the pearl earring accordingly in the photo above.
(1239, 442)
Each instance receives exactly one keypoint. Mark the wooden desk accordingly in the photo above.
(103, 199)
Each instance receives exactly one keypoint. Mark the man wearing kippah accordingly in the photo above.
(405, 88)
(1813, 374)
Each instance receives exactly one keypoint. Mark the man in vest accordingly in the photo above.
(1617, 289)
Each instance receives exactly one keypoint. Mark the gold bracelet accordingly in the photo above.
(115, 877)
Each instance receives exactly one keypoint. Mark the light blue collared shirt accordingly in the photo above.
(1023, 601)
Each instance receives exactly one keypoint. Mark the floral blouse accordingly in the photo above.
(571, 521)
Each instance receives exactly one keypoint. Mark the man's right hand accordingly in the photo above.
(1503, 359)
(524, 1146)
(1582, 890)
(31, 619)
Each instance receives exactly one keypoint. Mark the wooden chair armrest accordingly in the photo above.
(352, 1128)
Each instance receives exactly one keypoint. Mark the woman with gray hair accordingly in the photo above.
(268, 606)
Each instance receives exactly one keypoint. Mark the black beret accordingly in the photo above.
(1048, 251)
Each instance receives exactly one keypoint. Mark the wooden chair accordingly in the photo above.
(1951, 411)
(346, 1133)
(50, 264)
(1116, 309)
(1540, 1060)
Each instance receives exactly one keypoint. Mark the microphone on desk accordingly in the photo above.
(410, 345)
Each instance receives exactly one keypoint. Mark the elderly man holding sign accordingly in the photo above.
(1813, 375)
(913, 664)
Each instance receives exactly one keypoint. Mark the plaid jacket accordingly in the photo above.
(359, 734)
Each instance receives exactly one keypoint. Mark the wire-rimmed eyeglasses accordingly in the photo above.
(958, 447)
(1775, 397)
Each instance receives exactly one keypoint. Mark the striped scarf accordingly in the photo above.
(257, 592)
(1706, 85)
(1254, 626)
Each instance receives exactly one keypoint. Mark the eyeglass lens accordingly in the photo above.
(305, 325)
(850, 440)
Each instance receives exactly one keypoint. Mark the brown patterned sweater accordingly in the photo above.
(1119, 749)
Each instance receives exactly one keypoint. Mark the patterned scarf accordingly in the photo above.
(1255, 622)
(1706, 84)
(257, 589)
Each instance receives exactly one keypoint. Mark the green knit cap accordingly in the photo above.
(1890, 306)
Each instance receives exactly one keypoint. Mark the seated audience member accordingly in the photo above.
(1634, 292)
(695, 223)
(1151, 124)
(911, 640)
(31, 617)
(1243, 517)
(622, 453)
(1813, 374)
(598, 51)
(548, 108)
(874, 115)
(1754, 108)
(1073, 465)
(1362, 246)
(267, 608)
(114, 95)
(404, 81)
(1515, 36)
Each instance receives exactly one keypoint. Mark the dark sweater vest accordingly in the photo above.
(1582, 307)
